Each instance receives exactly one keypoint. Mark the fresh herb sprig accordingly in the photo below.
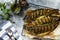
(5, 12)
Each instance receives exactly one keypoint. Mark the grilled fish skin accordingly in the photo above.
(35, 30)
(41, 21)
(32, 15)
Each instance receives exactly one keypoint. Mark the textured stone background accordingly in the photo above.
(35, 4)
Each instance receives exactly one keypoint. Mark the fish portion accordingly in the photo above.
(32, 15)
(35, 30)
(41, 20)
